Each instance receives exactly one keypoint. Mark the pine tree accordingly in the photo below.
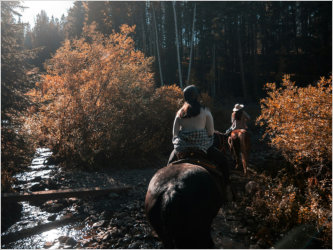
(14, 83)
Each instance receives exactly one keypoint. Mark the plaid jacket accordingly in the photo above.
(193, 139)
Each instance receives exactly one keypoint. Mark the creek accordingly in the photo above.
(110, 221)
(35, 178)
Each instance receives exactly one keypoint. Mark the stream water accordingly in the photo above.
(28, 232)
(110, 221)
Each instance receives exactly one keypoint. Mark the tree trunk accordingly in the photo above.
(213, 90)
(177, 46)
(157, 47)
(255, 66)
(191, 50)
(144, 42)
(240, 54)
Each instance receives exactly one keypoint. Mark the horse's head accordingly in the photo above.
(220, 141)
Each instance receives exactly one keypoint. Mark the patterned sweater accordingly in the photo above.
(192, 139)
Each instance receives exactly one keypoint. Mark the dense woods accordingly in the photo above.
(232, 48)
(103, 83)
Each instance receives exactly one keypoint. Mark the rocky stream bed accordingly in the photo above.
(118, 220)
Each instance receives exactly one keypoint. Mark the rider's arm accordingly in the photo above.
(233, 121)
(176, 126)
(209, 123)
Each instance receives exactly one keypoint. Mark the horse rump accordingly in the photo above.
(240, 143)
(181, 203)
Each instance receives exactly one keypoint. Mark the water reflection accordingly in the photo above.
(29, 231)
(51, 235)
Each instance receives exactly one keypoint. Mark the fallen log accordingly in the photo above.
(62, 193)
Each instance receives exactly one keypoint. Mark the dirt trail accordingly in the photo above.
(232, 228)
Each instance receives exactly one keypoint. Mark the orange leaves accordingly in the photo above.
(98, 96)
(299, 123)
(299, 119)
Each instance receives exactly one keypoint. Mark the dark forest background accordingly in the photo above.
(237, 46)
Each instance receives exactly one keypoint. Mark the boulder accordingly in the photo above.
(251, 187)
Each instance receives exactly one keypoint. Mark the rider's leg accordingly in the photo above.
(172, 157)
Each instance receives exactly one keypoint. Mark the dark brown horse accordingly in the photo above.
(240, 144)
(182, 200)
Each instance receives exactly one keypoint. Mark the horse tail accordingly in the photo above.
(173, 218)
(185, 225)
(244, 139)
(235, 142)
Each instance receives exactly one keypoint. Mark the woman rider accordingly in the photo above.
(239, 118)
(193, 128)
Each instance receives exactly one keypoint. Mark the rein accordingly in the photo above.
(209, 166)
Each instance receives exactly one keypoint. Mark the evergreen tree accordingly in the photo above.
(14, 83)
(13, 64)
(47, 36)
(75, 21)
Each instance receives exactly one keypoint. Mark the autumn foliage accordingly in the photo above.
(298, 122)
(97, 103)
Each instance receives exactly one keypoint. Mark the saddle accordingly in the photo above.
(216, 174)
(197, 157)
(191, 153)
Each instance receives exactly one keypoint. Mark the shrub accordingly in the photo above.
(97, 102)
(165, 102)
(298, 122)
(16, 151)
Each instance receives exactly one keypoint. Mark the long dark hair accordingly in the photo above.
(191, 106)
(189, 110)
(237, 115)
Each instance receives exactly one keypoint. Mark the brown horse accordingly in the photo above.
(182, 200)
(240, 144)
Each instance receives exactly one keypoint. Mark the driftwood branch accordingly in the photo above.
(57, 194)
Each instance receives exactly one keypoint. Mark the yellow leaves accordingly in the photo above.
(96, 92)
(125, 29)
(299, 118)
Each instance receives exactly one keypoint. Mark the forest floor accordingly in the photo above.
(118, 221)
(127, 227)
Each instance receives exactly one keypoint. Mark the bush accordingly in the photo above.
(298, 123)
(97, 102)
(16, 152)
(165, 102)
(299, 120)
